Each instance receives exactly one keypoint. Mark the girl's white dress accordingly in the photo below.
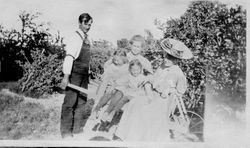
(145, 120)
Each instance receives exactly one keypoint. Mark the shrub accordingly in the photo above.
(42, 75)
(36, 54)
(100, 53)
(216, 34)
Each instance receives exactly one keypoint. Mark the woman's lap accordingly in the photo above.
(143, 121)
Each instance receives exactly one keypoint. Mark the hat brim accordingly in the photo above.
(176, 48)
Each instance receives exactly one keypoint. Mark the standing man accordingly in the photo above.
(76, 71)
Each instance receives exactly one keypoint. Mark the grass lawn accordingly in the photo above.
(25, 119)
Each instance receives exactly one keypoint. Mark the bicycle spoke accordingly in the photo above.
(195, 124)
(191, 116)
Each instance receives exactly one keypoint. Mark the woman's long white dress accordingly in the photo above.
(148, 121)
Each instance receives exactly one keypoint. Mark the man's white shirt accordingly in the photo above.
(73, 49)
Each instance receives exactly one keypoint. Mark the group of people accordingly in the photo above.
(128, 83)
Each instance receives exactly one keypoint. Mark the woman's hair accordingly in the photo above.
(121, 53)
(138, 38)
(84, 17)
(171, 58)
(133, 63)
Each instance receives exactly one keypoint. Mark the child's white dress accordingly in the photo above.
(148, 121)
(133, 85)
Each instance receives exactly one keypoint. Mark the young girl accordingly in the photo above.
(112, 73)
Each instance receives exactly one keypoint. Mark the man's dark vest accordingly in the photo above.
(81, 64)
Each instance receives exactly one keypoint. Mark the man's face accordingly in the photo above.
(85, 26)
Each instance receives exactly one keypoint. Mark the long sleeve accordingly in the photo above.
(181, 85)
(67, 65)
(170, 80)
(73, 47)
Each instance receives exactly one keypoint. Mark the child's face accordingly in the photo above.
(117, 60)
(135, 70)
(136, 47)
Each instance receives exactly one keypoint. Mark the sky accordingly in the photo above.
(112, 19)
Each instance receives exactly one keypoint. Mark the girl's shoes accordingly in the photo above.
(104, 126)
(116, 138)
(96, 127)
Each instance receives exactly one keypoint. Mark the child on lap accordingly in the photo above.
(112, 73)
(134, 87)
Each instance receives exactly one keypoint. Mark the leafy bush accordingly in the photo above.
(216, 34)
(36, 54)
(42, 75)
(10, 71)
(100, 53)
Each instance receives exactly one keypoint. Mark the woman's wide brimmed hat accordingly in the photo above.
(176, 48)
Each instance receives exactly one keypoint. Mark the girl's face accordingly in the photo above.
(136, 47)
(135, 70)
(117, 60)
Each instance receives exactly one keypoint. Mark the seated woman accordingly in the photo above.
(149, 121)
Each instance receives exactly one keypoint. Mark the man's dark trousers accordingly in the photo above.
(73, 117)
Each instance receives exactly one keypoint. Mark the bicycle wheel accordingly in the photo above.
(99, 138)
(196, 124)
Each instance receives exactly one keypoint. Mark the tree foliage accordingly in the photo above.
(36, 53)
(100, 52)
(216, 34)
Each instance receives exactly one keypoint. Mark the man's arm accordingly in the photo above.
(73, 46)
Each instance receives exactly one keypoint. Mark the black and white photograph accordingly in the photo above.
(123, 73)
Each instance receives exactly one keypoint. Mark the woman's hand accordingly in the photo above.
(64, 82)
(162, 93)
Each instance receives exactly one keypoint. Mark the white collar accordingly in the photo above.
(81, 33)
